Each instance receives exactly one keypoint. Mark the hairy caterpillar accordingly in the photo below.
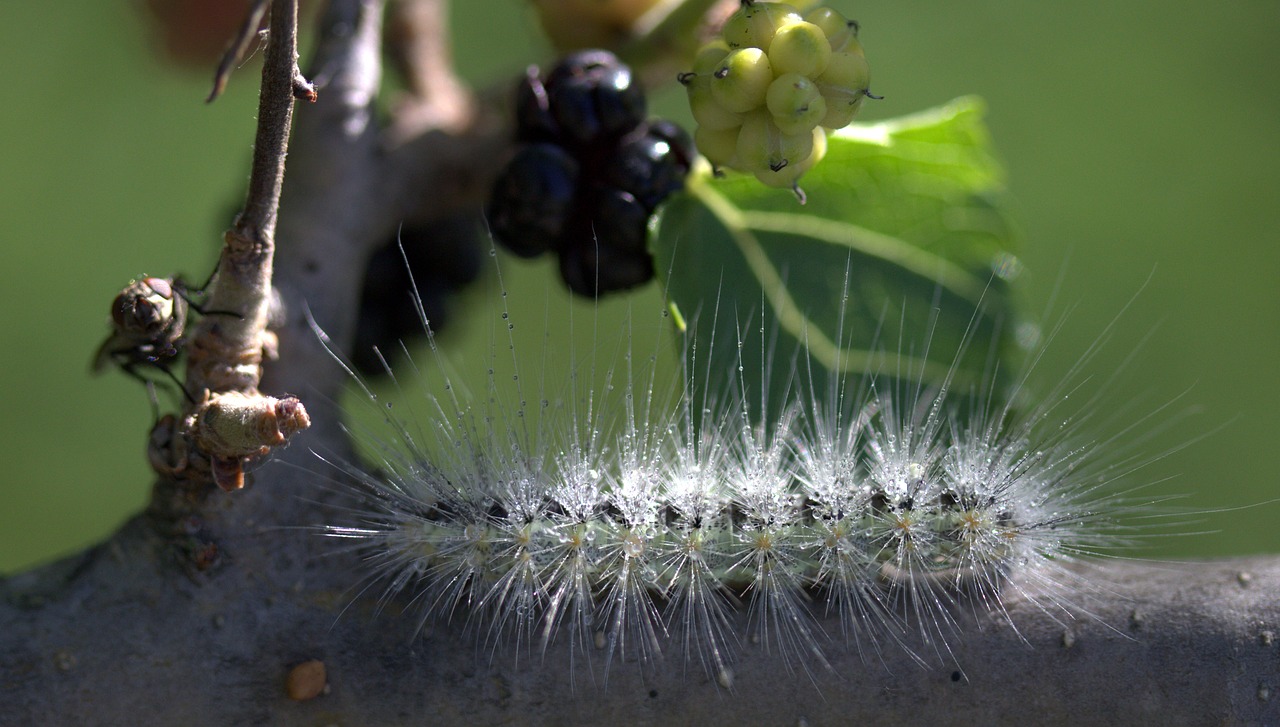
(635, 519)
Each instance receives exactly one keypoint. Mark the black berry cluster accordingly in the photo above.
(588, 173)
(443, 257)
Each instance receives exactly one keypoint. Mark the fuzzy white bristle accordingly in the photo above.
(637, 518)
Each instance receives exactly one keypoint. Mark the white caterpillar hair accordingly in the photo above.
(635, 518)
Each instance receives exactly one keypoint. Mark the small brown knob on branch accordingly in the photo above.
(306, 680)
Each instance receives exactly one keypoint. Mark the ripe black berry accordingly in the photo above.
(532, 198)
(593, 98)
(620, 220)
(609, 252)
(651, 162)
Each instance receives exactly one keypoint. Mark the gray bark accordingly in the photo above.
(123, 634)
(195, 611)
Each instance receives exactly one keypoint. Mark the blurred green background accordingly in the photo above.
(1142, 141)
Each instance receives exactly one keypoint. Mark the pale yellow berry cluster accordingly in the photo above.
(767, 90)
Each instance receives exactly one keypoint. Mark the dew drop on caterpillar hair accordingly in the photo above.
(647, 516)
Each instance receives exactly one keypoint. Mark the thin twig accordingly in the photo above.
(227, 349)
(254, 228)
(237, 48)
(229, 346)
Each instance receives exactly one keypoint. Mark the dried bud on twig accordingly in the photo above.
(232, 427)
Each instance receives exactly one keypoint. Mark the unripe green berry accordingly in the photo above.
(709, 56)
(763, 147)
(841, 113)
(795, 103)
(799, 48)
(838, 29)
(742, 79)
(719, 146)
(844, 85)
(706, 110)
(787, 176)
(846, 73)
(753, 26)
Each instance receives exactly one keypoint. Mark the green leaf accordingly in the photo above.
(897, 267)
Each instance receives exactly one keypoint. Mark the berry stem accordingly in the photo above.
(667, 34)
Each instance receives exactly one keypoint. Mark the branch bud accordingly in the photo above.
(232, 427)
